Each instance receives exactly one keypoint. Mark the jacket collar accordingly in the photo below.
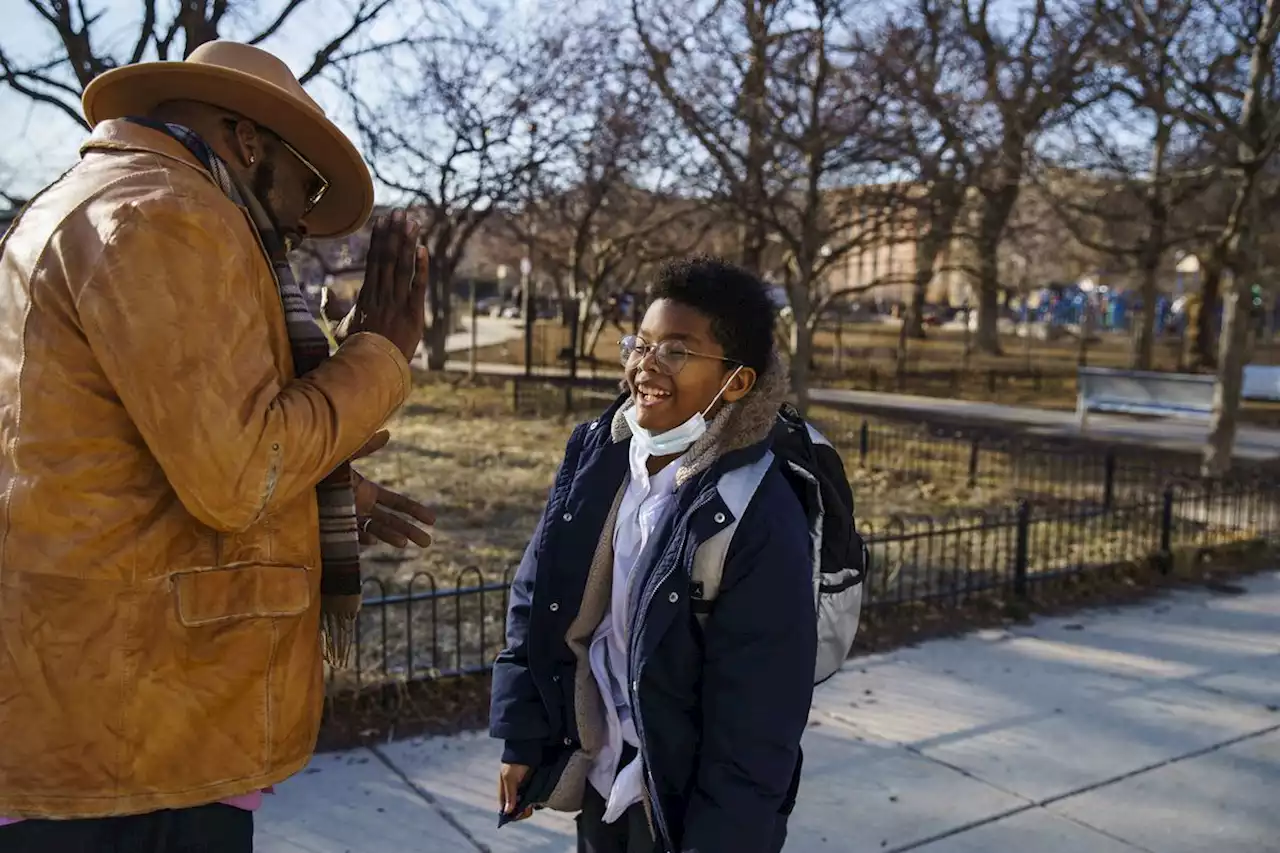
(121, 135)
(735, 428)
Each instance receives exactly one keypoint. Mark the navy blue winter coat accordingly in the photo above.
(719, 710)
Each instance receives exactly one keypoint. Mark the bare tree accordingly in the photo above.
(603, 251)
(928, 79)
(1127, 165)
(1237, 98)
(86, 40)
(456, 126)
(600, 207)
(1031, 74)
(794, 63)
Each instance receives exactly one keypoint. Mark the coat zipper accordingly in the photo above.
(651, 592)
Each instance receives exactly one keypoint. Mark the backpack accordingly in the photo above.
(815, 471)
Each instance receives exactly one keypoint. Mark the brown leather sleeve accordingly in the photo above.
(179, 312)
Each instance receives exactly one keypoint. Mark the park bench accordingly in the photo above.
(1136, 392)
(1262, 383)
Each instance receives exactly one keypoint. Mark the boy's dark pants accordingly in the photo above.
(628, 834)
(203, 829)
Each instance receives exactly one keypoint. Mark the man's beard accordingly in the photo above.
(264, 182)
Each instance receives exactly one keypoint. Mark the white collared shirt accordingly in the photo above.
(642, 507)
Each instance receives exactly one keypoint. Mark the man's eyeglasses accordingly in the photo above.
(669, 356)
(319, 182)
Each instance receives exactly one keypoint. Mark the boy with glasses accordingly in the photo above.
(671, 724)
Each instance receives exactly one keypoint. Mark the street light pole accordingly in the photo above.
(475, 337)
(526, 285)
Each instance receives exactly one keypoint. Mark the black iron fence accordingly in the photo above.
(1013, 550)
(1047, 471)
(429, 630)
(551, 394)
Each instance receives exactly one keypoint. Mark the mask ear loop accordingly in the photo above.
(723, 388)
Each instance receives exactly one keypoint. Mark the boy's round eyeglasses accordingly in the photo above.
(669, 356)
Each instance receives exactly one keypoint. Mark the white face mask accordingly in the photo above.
(677, 439)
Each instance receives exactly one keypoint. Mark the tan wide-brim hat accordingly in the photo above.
(250, 82)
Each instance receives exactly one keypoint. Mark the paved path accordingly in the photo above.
(1171, 433)
(1152, 729)
(1179, 434)
(490, 331)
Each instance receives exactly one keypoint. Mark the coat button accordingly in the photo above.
(568, 741)
(555, 605)
(555, 678)
(593, 426)
(719, 518)
(673, 597)
(568, 516)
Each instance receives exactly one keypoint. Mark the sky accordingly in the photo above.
(37, 143)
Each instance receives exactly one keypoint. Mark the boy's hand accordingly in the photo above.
(509, 780)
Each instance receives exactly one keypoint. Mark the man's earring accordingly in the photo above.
(251, 159)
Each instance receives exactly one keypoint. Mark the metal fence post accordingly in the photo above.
(1109, 479)
(1166, 531)
(974, 449)
(1021, 548)
(573, 306)
(864, 442)
(527, 308)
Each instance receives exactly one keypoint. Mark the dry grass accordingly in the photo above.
(484, 470)
(460, 449)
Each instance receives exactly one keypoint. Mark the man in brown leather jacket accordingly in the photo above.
(179, 527)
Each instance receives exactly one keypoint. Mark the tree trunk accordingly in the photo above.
(1220, 444)
(988, 337)
(904, 335)
(590, 333)
(439, 314)
(1144, 341)
(938, 211)
(928, 247)
(592, 337)
(1086, 330)
(1204, 332)
(754, 97)
(913, 323)
(801, 346)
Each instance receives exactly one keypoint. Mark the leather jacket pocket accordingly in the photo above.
(240, 591)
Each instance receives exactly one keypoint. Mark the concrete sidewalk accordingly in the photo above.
(1153, 728)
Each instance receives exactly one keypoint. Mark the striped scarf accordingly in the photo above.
(340, 584)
